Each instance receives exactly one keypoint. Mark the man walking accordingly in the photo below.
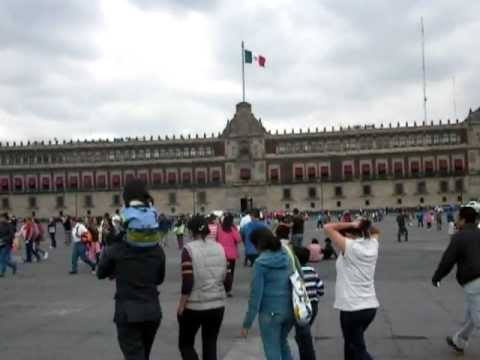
(79, 250)
(464, 251)
(6, 241)
(298, 222)
(402, 226)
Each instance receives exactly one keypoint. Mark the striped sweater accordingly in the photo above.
(313, 283)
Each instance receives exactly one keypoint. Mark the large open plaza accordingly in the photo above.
(46, 314)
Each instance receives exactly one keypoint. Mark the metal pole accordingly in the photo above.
(243, 71)
(424, 74)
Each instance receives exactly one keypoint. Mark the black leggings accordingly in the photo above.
(136, 339)
(354, 324)
(190, 322)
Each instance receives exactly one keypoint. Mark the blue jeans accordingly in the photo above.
(472, 314)
(274, 329)
(304, 339)
(79, 251)
(30, 250)
(6, 259)
(297, 240)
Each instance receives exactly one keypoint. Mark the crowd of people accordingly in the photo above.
(128, 247)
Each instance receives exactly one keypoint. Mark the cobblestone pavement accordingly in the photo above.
(45, 314)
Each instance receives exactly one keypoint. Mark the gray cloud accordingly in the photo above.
(329, 62)
(177, 5)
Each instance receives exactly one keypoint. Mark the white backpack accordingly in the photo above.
(302, 307)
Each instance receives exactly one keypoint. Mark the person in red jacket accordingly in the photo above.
(30, 232)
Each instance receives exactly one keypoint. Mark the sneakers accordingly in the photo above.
(45, 256)
(453, 345)
(72, 272)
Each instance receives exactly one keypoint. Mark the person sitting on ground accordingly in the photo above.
(315, 289)
(315, 250)
(328, 250)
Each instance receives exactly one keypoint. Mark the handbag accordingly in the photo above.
(302, 307)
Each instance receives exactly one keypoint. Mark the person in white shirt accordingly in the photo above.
(355, 294)
(79, 250)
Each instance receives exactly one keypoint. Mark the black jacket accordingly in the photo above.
(6, 234)
(137, 272)
(464, 250)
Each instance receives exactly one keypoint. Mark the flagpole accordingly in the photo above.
(243, 71)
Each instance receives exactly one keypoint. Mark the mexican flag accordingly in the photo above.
(250, 57)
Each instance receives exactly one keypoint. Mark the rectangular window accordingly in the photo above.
(186, 178)
(348, 171)
(414, 168)
(459, 186)
(324, 172)
(443, 166)
(443, 186)
(245, 174)
(116, 200)
(421, 187)
(172, 178)
(202, 197)
(18, 183)
(398, 168)
(382, 169)
(338, 191)
(201, 178)
(367, 190)
(458, 165)
(172, 198)
(59, 183)
(45, 184)
(60, 202)
(73, 183)
(88, 201)
(116, 181)
(32, 202)
(298, 173)
(312, 192)
(287, 194)
(5, 204)
(365, 170)
(274, 175)
(216, 177)
(429, 167)
(101, 182)
(312, 173)
(4, 185)
(399, 190)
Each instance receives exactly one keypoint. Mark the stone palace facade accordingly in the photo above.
(246, 165)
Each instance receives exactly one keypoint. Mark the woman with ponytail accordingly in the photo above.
(355, 294)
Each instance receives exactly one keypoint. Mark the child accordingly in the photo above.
(139, 216)
(315, 251)
(315, 289)
(328, 251)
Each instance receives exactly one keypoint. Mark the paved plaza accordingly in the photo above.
(45, 314)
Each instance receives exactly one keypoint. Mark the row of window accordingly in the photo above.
(443, 187)
(367, 143)
(366, 169)
(86, 182)
(72, 157)
(88, 201)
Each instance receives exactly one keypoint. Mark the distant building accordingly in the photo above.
(358, 167)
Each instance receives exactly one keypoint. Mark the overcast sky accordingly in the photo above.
(109, 68)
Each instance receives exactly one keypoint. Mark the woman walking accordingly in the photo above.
(355, 295)
(52, 230)
(205, 280)
(179, 231)
(270, 296)
(229, 237)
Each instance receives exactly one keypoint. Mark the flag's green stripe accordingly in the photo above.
(248, 57)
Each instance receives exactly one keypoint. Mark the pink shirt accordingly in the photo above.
(315, 252)
(229, 241)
